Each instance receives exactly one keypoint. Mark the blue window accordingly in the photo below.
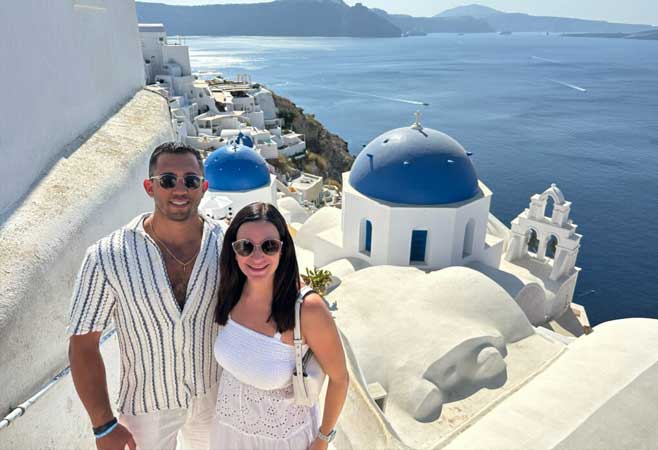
(418, 246)
(367, 244)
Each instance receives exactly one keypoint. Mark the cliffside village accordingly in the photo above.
(210, 112)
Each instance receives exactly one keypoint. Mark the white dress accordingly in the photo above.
(255, 406)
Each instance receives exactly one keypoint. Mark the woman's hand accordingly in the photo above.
(319, 444)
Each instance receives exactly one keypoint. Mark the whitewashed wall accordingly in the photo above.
(179, 54)
(356, 209)
(478, 212)
(152, 50)
(84, 197)
(65, 66)
(392, 227)
(266, 102)
(241, 199)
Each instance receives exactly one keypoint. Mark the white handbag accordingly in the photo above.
(308, 376)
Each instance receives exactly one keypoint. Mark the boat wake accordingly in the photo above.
(391, 99)
(583, 294)
(572, 86)
(552, 61)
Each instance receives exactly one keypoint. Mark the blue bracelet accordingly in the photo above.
(107, 431)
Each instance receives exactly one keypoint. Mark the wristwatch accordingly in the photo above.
(327, 437)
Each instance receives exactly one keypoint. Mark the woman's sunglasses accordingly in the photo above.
(244, 247)
(169, 180)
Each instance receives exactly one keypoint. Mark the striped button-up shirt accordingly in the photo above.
(166, 353)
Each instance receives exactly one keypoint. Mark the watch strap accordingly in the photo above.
(327, 437)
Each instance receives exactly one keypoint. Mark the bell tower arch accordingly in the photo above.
(558, 231)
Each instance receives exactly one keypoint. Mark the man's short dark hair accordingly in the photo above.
(174, 148)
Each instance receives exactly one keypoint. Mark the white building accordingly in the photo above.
(260, 140)
(291, 145)
(160, 56)
(420, 186)
(208, 113)
(238, 173)
(265, 101)
(213, 124)
(167, 64)
(201, 94)
(413, 198)
(310, 188)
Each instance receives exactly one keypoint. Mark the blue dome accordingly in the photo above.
(235, 167)
(415, 166)
(245, 140)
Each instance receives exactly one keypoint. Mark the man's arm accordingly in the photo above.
(88, 372)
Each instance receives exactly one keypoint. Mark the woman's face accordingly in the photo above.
(258, 266)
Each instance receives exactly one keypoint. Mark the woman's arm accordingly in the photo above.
(321, 335)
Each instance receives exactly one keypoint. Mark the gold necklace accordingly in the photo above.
(182, 263)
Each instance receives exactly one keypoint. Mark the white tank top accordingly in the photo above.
(264, 362)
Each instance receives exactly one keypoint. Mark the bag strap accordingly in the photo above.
(297, 332)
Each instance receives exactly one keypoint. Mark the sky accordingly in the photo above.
(630, 11)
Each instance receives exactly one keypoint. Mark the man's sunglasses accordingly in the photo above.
(244, 247)
(169, 180)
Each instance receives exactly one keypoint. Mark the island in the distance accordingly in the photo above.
(277, 18)
(336, 18)
(649, 35)
(482, 19)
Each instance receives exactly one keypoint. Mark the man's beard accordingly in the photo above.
(179, 215)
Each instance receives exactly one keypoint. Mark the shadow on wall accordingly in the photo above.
(84, 197)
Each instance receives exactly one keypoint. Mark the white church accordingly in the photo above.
(413, 198)
(237, 176)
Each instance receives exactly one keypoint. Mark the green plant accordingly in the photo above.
(318, 279)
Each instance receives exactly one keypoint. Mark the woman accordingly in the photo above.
(257, 294)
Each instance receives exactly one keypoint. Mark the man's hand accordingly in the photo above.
(118, 439)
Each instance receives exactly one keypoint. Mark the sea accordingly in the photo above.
(534, 109)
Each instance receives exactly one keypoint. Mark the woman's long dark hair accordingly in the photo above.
(286, 277)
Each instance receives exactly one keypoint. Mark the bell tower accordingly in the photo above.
(556, 234)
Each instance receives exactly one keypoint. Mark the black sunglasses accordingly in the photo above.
(244, 247)
(169, 180)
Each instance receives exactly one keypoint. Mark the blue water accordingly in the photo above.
(534, 109)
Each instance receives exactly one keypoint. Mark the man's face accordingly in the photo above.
(178, 203)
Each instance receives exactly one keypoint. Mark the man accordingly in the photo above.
(156, 279)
